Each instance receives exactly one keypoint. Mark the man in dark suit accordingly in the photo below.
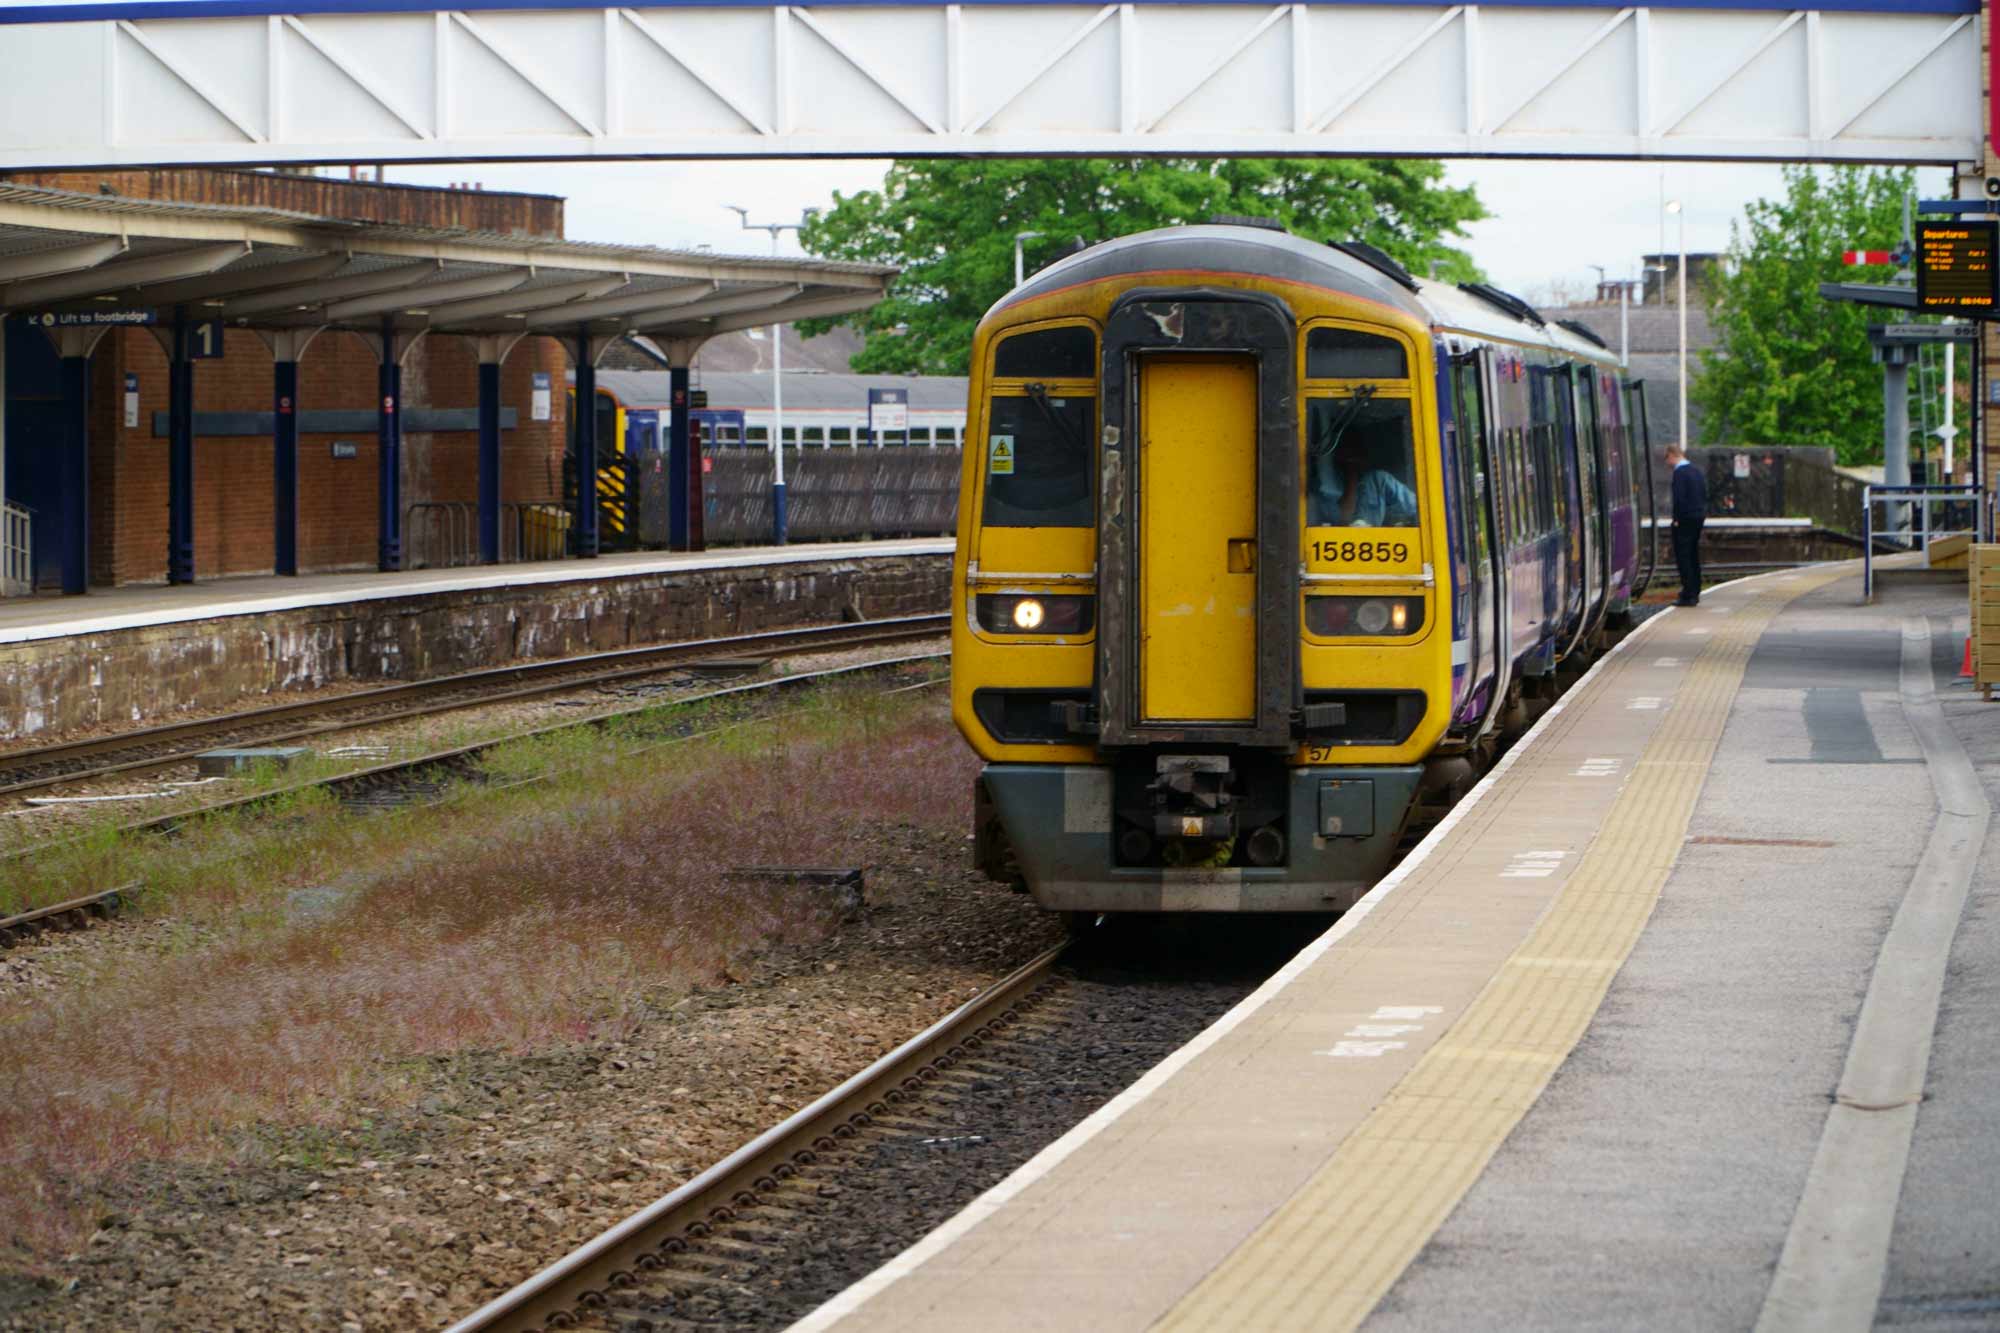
(1690, 511)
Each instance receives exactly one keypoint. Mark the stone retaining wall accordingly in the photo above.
(123, 677)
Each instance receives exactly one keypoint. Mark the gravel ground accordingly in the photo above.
(410, 1218)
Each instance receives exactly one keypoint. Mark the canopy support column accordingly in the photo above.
(492, 350)
(180, 454)
(75, 345)
(287, 346)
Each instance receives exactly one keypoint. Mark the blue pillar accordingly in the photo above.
(285, 466)
(489, 462)
(75, 475)
(586, 448)
(389, 457)
(683, 466)
(180, 456)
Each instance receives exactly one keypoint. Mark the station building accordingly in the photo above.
(211, 373)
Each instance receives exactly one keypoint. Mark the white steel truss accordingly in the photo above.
(918, 79)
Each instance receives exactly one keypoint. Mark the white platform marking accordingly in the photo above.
(1645, 703)
(1370, 1040)
(1533, 865)
(1596, 768)
(1668, 662)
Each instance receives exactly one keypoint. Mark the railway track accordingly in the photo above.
(746, 1197)
(152, 748)
(409, 780)
(818, 1201)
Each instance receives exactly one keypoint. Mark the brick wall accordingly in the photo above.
(320, 196)
(337, 496)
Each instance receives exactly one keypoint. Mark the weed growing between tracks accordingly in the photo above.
(313, 957)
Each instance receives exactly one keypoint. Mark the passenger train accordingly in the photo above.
(1265, 550)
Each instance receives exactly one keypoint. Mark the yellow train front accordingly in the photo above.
(1198, 636)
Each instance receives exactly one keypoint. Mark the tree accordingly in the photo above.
(1789, 366)
(950, 225)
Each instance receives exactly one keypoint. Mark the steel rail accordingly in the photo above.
(543, 678)
(101, 904)
(581, 1278)
(361, 777)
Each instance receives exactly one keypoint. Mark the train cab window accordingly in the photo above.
(1350, 354)
(1361, 470)
(1038, 467)
(1065, 353)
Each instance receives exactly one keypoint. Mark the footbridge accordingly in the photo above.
(244, 81)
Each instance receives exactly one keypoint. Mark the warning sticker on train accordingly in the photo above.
(1000, 456)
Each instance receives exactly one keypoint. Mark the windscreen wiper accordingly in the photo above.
(1352, 413)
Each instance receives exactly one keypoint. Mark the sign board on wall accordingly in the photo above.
(131, 401)
(346, 449)
(91, 319)
(888, 412)
(541, 404)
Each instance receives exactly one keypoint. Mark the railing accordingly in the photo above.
(534, 531)
(1969, 506)
(438, 534)
(441, 534)
(17, 551)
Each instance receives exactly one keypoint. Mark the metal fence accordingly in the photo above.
(831, 494)
(17, 551)
(1912, 519)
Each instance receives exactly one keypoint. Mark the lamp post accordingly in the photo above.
(1020, 236)
(779, 530)
(1681, 298)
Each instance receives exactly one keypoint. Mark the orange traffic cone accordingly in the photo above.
(1965, 670)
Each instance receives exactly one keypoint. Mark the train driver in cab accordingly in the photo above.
(1350, 493)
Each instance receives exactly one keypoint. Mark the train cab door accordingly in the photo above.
(1474, 476)
(1198, 522)
(1197, 539)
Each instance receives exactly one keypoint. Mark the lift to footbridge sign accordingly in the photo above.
(245, 81)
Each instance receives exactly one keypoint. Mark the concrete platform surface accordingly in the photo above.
(25, 619)
(1685, 1020)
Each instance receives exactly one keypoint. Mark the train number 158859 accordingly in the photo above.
(1353, 552)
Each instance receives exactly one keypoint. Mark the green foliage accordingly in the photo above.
(950, 225)
(1788, 366)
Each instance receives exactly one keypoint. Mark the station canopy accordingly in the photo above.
(70, 259)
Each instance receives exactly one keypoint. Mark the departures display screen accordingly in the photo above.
(1955, 267)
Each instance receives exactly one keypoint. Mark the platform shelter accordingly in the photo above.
(211, 373)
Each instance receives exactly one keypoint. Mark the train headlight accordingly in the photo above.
(1385, 617)
(1035, 613)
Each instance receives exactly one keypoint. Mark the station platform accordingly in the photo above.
(1647, 1033)
(132, 653)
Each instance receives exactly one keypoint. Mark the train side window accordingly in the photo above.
(1039, 471)
(1361, 469)
(1350, 354)
(1065, 353)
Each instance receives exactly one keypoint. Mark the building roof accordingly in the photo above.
(72, 257)
(1653, 328)
(751, 391)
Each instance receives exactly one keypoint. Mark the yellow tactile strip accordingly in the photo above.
(1326, 1257)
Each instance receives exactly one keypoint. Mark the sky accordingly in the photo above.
(1551, 220)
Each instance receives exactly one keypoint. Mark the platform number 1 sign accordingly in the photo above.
(205, 340)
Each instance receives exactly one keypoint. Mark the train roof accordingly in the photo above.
(1287, 258)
